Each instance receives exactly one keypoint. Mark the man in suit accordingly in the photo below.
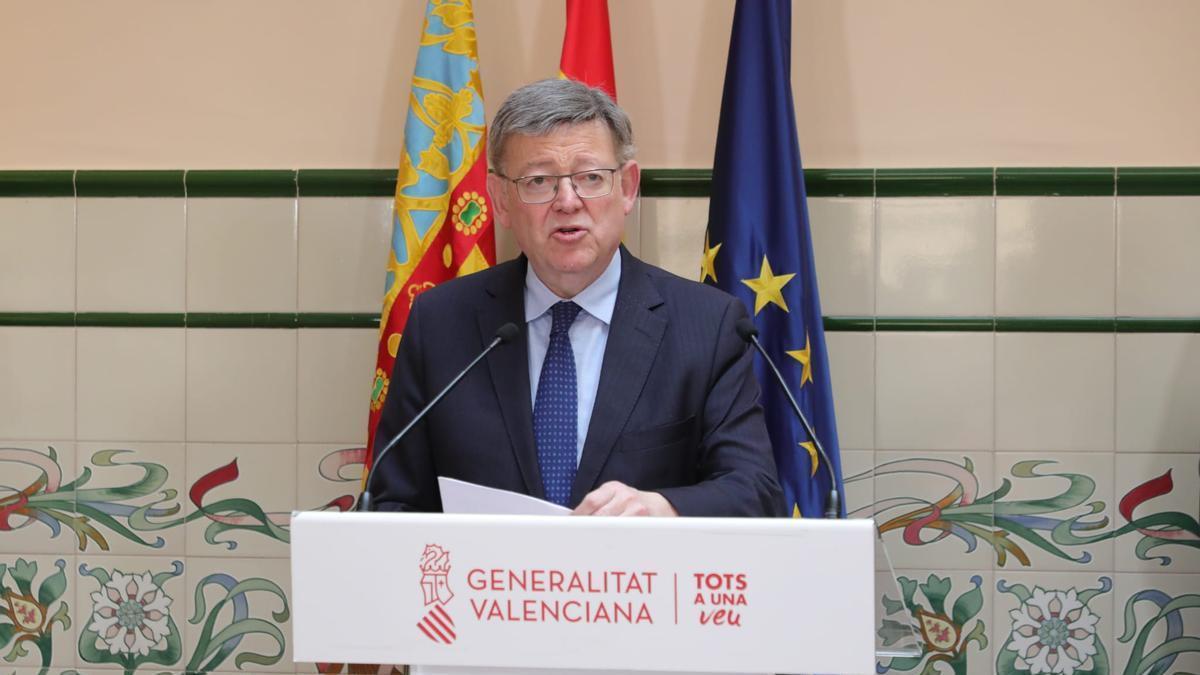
(627, 392)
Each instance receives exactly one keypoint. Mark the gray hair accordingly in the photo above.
(539, 108)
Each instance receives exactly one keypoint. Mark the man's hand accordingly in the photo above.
(618, 499)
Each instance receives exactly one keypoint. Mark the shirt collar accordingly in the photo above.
(598, 299)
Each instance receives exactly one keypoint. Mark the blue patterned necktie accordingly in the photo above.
(555, 408)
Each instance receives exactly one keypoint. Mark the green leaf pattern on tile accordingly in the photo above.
(1014, 526)
(944, 641)
(26, 619)
(214, 646)
(95, 514)
(1169, 617)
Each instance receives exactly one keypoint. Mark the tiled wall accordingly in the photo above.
(1016, 364)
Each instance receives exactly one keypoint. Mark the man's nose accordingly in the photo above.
(566, 199)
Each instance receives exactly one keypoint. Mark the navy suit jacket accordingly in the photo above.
(676, 410)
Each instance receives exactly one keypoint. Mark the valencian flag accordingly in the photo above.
(587, 46)
(759, 245)
(442, 223)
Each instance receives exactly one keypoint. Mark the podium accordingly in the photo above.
(605, 594)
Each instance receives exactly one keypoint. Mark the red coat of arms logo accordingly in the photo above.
(435, 587)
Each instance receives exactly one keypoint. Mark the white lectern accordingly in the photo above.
(530, 592)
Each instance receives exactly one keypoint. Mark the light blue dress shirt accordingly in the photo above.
(589, 335)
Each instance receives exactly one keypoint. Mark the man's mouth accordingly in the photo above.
(568, 233)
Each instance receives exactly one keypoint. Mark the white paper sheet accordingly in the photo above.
(459, 496)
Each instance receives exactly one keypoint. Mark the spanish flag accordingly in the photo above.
(587, 46)
(442, 221)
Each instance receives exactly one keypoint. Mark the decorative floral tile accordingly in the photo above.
(934, 512)
(949, 613)
(37, 496)
(133, 497)
(1056, 510)
(37, 610)
(1052, 622)
(240, 615)
(240, 498)
(132, 612)
(328, 476)
(1160, 619)
(1157, 511)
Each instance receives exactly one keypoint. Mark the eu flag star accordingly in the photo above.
(812, 455)
(768, 287)
(804, 356)
(707, 268)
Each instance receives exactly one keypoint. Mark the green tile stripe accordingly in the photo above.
(1158, 181)
(37, 318)
(1058, 182)
(839, 182)
(129, 183)
(841, 324)
(37, 183)
(917, 324)
(676, 182)
(347, 182)
(933, 182)
(241, 183)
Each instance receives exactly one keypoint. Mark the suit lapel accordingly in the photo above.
(633, 340)
(509, 366)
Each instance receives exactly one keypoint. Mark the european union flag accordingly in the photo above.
(759, 245)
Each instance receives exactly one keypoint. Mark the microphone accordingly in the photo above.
(746, 330)
(503, 335)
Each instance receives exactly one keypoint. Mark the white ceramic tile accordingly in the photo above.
(344, 244)
(328, 475)
(241, 385)
(1085, 602)
(1054, 391)
(1046, 489)
(1157, 239)
(934, 391)
(62, 638)
(1158, 392)
(336, 369)
(155, 475)
(261, 473)
(37, 255)
(130, 384)
(131, 255)
(1138, 600)
(241, 255)
(1055, 256)
(947, 598)
(270, 595)
(843, 234)
(1164, 485)
(936, 256)
(37, 372)
(907, 484)
(24, 466)
(852, 369)
(166, 584)
(672, 234)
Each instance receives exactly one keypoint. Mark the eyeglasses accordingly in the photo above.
(588, 184)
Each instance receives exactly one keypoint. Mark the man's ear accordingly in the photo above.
(631, 179)
(497, 193)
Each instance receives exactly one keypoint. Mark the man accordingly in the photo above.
(628, 391)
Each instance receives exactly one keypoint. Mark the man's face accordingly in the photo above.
(569, 241)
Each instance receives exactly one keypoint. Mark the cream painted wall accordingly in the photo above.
(318, 83)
